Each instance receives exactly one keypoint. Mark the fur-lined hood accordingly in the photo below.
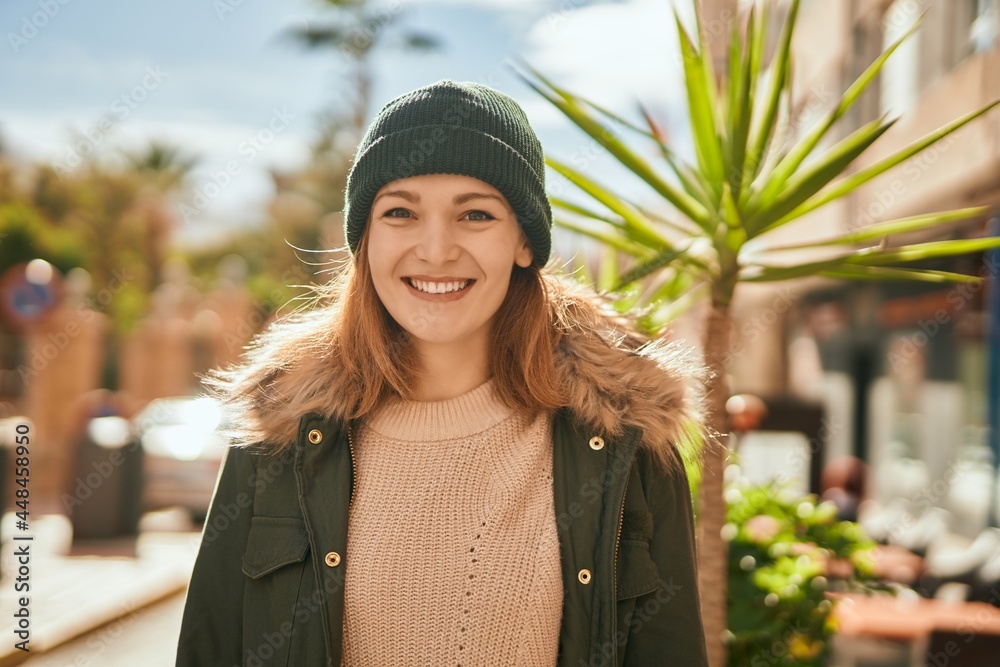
(612, 375)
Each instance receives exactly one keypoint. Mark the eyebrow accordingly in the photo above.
(414, 198)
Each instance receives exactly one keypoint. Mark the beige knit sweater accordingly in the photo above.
(452, 552)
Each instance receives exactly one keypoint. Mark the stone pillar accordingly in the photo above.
(239, 320)
(64, 358)
(156, 359)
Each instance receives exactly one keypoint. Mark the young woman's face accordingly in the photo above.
(431, 234)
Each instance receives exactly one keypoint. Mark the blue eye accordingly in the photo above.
(391, 213)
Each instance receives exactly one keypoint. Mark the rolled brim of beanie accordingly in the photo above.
(445, 149)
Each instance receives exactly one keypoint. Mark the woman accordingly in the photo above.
(458, 459)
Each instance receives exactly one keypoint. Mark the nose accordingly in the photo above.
(436, 244)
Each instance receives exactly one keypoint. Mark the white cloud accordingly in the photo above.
(68, 62)
(612, 53)
(239, 200)
(615, 55)
(530, 6)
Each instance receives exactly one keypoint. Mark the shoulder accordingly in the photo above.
(664, 480)
(615, 374)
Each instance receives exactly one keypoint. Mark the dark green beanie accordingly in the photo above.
(453, 127)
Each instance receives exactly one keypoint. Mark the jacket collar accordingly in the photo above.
(616, 376)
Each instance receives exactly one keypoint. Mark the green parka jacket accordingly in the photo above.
(268, 583)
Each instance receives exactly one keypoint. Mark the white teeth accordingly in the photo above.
(438, 288)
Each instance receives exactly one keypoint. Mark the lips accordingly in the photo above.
(436, 283)
(442, 296)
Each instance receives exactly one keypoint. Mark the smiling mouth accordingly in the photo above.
(429, 287)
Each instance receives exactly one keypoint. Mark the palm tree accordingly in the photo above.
(748, 182)
(161, 170)
(356, 30)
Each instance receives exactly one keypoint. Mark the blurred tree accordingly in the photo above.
(162, 170)
(304, 225)
(105, 215)
(163, 167)
(308, 202)
(85, 218)
(356, 29)
(52, 195)
(25, 235)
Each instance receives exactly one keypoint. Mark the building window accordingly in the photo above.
(971, 27)
(899, 81)
(951, 31)
(983, 30)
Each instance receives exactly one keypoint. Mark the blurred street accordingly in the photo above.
(165, 201)
(147, 638)
(98, 602)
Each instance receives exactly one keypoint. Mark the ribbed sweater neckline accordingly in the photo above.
(473, 412)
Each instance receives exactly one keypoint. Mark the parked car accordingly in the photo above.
(184, 448)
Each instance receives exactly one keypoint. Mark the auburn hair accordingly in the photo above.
(380, 360)
(550, 347)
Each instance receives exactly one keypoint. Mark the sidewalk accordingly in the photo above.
(73, 594)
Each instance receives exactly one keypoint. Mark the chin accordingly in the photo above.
(438, 338)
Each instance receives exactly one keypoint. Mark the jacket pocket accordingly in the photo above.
(637, 576)
(637, 573)
(273, 543)
(275, 563)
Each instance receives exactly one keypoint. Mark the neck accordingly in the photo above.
(450, 369)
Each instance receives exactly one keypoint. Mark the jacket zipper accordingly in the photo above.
(354, 469)
(354, 485)
(618, 539)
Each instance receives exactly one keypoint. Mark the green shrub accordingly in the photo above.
(780, 548)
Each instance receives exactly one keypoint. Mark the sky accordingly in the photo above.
(219, 79)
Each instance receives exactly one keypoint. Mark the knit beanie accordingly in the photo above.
(453, 127)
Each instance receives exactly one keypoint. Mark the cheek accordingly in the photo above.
(499, 278)
(380, 257)
(498, 255)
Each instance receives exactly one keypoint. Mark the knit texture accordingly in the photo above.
(453, 127)
(452, 552)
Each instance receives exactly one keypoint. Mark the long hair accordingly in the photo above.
(552, 345)
(377, 354)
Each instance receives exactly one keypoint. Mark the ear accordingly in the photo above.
(525, 255)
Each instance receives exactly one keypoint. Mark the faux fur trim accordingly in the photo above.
(612, 375)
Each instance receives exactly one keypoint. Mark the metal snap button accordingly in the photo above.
(332, 559)
(584, 576)
(597, 442)
(315, 436)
